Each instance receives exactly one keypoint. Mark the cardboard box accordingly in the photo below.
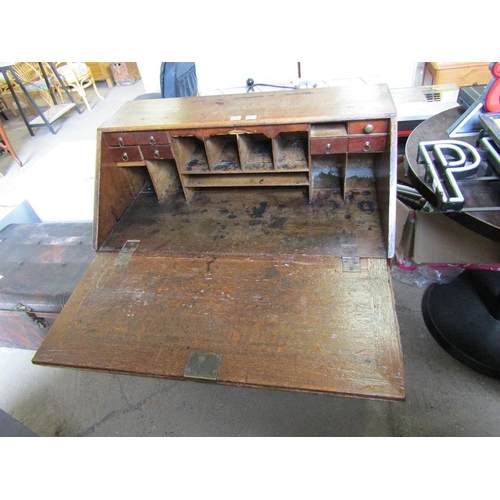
(424, 238)
(125, 73)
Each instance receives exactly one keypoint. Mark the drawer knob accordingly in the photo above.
(120, 141)
(366, 147)
(125, 157)
(157, 154)
(328, 149)
(368, 128)
(152, 141)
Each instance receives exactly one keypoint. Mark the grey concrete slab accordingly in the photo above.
(444, 398)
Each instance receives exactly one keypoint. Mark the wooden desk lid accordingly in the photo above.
(262, 108)
(288, 324)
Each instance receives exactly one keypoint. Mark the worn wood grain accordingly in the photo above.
(115, 190)
(164, 178)
(40, 265)
(296, 324)
(250, 222)
(266, 108)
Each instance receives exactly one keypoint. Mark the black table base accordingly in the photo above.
(464, 318)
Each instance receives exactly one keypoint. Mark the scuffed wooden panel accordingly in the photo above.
(282, 107)
(116, 188)
(299, 324)
(255, 222)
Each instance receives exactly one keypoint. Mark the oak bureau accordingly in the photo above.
(243, 239)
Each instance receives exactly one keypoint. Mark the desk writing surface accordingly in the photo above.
(272, 321)
(273, 301)
(245, 222)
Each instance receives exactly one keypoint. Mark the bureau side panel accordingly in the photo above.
(386, 182)
(115, 189)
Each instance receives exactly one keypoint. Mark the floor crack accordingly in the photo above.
(130, 408)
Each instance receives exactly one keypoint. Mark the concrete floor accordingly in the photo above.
(444, 397)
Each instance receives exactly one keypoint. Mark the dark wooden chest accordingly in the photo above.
(40, 266)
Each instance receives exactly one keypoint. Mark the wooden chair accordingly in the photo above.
(77, 77)
(33, 81)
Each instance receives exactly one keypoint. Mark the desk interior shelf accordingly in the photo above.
(190, 154)
(222, 153)
(250, 180)
(256, 152)
(291, 151)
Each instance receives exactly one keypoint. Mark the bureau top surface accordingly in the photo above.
(263, 108)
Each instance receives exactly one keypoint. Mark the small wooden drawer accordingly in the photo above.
(161, 152)
(125, 154)
(363, 144)
(151, 138)
(368, 127)
(120, 139)
(328, 145)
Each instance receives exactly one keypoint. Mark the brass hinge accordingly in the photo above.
(351, 264)
(203, 366)
(126, 252)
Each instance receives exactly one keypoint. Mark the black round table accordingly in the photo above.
(463, 316)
